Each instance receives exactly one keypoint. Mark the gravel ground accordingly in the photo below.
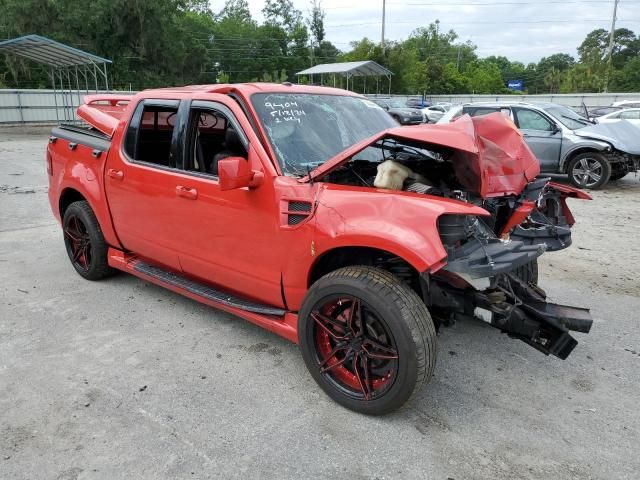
(122, 379)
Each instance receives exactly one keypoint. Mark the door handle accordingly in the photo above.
(186, 192)
(117, 174)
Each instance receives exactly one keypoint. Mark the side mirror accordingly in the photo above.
(235, 172)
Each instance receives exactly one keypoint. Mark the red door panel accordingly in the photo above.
(230, 238)
(142, 200)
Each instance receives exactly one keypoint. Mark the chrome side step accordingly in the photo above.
(206, 291)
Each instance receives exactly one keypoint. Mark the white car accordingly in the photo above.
(627, 104)
(434, 113)
(630, 114)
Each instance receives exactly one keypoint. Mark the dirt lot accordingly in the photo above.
(122, 379)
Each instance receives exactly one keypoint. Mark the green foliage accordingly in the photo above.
(627, 79)
(178, 42)
(484, 77)
(316, 22)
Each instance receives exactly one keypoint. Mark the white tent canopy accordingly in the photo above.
(367, 68)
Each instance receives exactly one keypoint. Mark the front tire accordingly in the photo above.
(589, 170)
(367, 339)
(86, 246)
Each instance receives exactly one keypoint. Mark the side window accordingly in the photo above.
(150, 133)
(476, 112)
(211, 137)
(630, 114)
(530, 120)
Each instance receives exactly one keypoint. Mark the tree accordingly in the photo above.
(282, 13)
(316, 22)
(484, 77)
(177, 42)
(553, 79)
(581, 78)
(627, 79)
(594, 49)
(236, 11)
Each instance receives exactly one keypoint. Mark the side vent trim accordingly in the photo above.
(297, 211)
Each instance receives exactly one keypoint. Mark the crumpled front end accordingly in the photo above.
(486, 258)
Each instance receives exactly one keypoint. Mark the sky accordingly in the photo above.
(522, 30)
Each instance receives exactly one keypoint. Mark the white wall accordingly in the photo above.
(39, 106)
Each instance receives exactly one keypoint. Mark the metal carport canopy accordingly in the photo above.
(66, 65)
(353, 69)
(47, 51)
(366, 68)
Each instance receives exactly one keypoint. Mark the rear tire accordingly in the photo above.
(367, 339)
(589, 170)
(85, 243)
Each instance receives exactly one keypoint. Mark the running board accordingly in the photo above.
(206, 291)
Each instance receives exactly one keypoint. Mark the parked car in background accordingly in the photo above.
(403, 114)
(446, 105)
(627, 104)
(632, 115)
(600, 111)
(565, 142)
(434, 113)
(417, 103)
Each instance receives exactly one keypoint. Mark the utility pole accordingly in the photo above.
(384, 6)
(611, 38)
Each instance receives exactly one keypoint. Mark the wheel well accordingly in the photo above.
(347, 256)
(69, 195)
(577, 151)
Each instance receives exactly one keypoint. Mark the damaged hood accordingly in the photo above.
(490, 156)
(623, 135)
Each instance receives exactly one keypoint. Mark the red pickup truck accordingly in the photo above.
(309, 212)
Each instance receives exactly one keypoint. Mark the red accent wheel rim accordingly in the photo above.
(78, 242)
(354, 348)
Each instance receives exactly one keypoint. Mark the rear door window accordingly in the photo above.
(150, 133)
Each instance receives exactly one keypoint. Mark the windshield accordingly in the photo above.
(396, 104)
(305, 130)
(568, 117)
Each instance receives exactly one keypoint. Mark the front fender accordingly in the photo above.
(580, 145)
(402, 223)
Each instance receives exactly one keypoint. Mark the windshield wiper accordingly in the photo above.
(579, 120)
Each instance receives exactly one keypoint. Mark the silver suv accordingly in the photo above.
(564, 142)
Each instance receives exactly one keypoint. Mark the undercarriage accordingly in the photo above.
(519, 309)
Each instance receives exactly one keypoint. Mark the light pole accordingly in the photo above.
(611, 38)
(384, 5)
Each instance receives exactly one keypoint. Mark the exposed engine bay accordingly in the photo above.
(538, 215)
(399, 165)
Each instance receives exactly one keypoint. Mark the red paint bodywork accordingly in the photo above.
(239, 239)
